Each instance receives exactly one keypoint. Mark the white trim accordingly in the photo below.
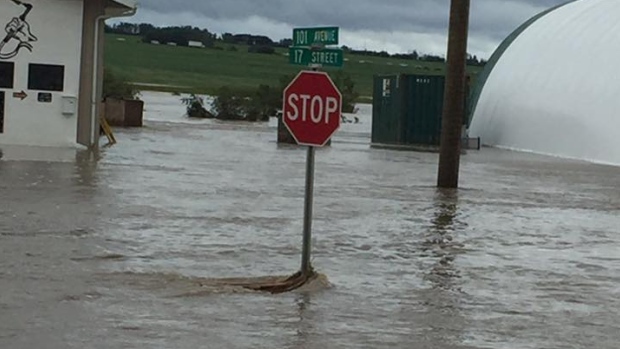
(130, 4)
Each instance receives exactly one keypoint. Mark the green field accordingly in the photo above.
(204, 70)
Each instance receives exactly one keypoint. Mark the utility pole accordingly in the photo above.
(454, 99)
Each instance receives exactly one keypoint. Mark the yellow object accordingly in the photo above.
(107, 130)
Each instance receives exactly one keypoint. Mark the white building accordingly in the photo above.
(195, 44)
(552, 87)
(51, 70)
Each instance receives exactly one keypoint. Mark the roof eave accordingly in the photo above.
(120, 8)
(121, 4)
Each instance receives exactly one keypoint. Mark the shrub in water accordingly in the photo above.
(195, 107)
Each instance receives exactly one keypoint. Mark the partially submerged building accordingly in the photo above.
(552, 86)
(51, 70)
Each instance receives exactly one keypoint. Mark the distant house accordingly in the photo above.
(154, 42)
(196, 44)
(172, 44)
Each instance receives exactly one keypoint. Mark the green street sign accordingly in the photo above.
(315, 36)
(328, 57)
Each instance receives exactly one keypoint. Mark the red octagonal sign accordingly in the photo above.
(312, 106)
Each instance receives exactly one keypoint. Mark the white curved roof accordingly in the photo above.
(556, 88)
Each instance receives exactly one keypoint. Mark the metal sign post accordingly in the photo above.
(308, 203)
(306, 251)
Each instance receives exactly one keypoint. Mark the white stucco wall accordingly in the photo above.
(57, 24)
(555, 89)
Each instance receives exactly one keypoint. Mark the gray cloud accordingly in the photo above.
(491, 20)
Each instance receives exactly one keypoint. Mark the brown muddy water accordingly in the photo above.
(130, 251)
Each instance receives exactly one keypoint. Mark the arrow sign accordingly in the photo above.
(21, 95)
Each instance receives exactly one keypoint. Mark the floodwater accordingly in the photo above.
(130, 251)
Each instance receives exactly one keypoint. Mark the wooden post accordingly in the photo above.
(454, 106)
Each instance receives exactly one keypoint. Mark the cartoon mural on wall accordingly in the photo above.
(18, 34)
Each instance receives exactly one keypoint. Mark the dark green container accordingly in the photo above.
(407, 110)
(423, 107)
(387, 107)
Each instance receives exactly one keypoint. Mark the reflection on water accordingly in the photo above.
(441, 240)
(86, 162)
(304, 326)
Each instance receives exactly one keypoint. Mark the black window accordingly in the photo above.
(45, 77)
(7, 73)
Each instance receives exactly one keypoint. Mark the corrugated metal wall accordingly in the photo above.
(386, 110)
(423, 108)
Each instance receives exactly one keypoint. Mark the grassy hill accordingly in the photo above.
(204, 70)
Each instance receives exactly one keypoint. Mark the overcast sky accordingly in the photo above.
(390, 25)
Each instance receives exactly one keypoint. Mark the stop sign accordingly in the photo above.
(312, 106)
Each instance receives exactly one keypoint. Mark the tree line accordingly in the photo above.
(179, 35)
(182, 35)
(414, 55)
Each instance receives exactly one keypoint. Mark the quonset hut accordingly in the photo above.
(553, 86)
